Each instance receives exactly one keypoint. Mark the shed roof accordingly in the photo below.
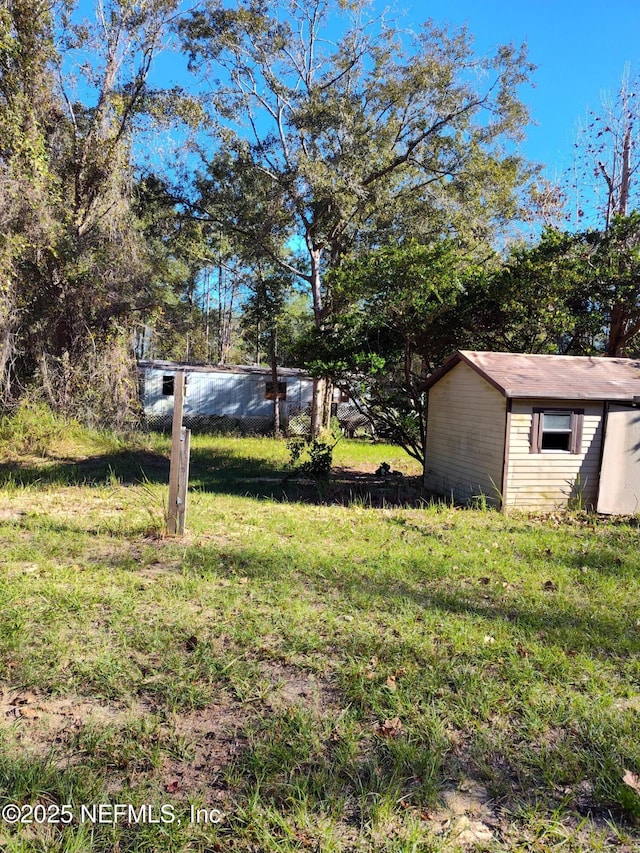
(554, 377)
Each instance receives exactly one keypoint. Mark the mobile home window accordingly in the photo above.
(282, 391)
(167, 385)
(556, 430)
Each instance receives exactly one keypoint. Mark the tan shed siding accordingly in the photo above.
(548, 480)
(465, 436)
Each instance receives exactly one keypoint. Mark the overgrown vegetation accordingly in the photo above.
(334, 678)
(312, 455)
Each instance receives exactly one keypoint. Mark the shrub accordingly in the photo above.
(318, 453)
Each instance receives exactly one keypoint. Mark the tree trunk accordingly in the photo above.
(317, 406)
(318, 417)
(274, 382)
(326, 404)
(617, 336)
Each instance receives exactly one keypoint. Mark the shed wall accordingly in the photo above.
(465, 436)
(619, 492)
(551, 479)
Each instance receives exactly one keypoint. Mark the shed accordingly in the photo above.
(223, 397)
(535, 432)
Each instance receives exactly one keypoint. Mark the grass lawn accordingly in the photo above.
(298, 674)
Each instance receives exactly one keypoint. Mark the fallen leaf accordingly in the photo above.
(390, 728)
(23, 699)
(27, 712)
(549, 586)
(391, 683)
(632, 780)
(172, 787)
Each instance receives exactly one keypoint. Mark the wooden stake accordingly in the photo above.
(183, 480)
(176, 446)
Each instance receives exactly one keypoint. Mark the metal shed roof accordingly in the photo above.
(555, 377)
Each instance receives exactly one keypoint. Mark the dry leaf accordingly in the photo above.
(391, 683)
(23, 699)
(549, 586)
(172, 787)
(390, 728)
(632, 780)
(27, 712)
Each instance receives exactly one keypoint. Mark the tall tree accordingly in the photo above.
(263, 314)
(84, 273)
(27, 108)
(355, 137)
(604, 182)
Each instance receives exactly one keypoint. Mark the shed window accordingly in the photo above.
(167, 385)
(282, 391)
(558, 430)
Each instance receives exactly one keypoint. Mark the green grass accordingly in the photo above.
(327, 676)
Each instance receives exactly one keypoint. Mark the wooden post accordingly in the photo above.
(183, 479)
(176, 447)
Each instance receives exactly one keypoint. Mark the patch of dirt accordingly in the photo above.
(306, 690)
(213, 736)
(41, 721)
(9, 514)
(469, 817)
(216, 736)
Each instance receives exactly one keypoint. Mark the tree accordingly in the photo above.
(395, 310)
(27, 106)
(605, 192)
(80, 272)
(351, 141)
(572, 293)
(263, 314)
(604, 180)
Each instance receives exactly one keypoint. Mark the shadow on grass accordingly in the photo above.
(127, 466)
(217, 471)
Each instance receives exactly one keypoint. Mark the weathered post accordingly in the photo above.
(175, 466)
(183, 479)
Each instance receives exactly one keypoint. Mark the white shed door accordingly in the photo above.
(620, 474)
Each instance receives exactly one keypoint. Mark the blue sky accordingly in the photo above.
(580, 48)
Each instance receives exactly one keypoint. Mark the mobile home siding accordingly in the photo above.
(465, 436)
(223, 398)
(229, 394)
(549, 479)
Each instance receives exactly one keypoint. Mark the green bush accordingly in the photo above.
(318, 453)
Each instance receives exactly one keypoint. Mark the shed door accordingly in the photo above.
(620, 475)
